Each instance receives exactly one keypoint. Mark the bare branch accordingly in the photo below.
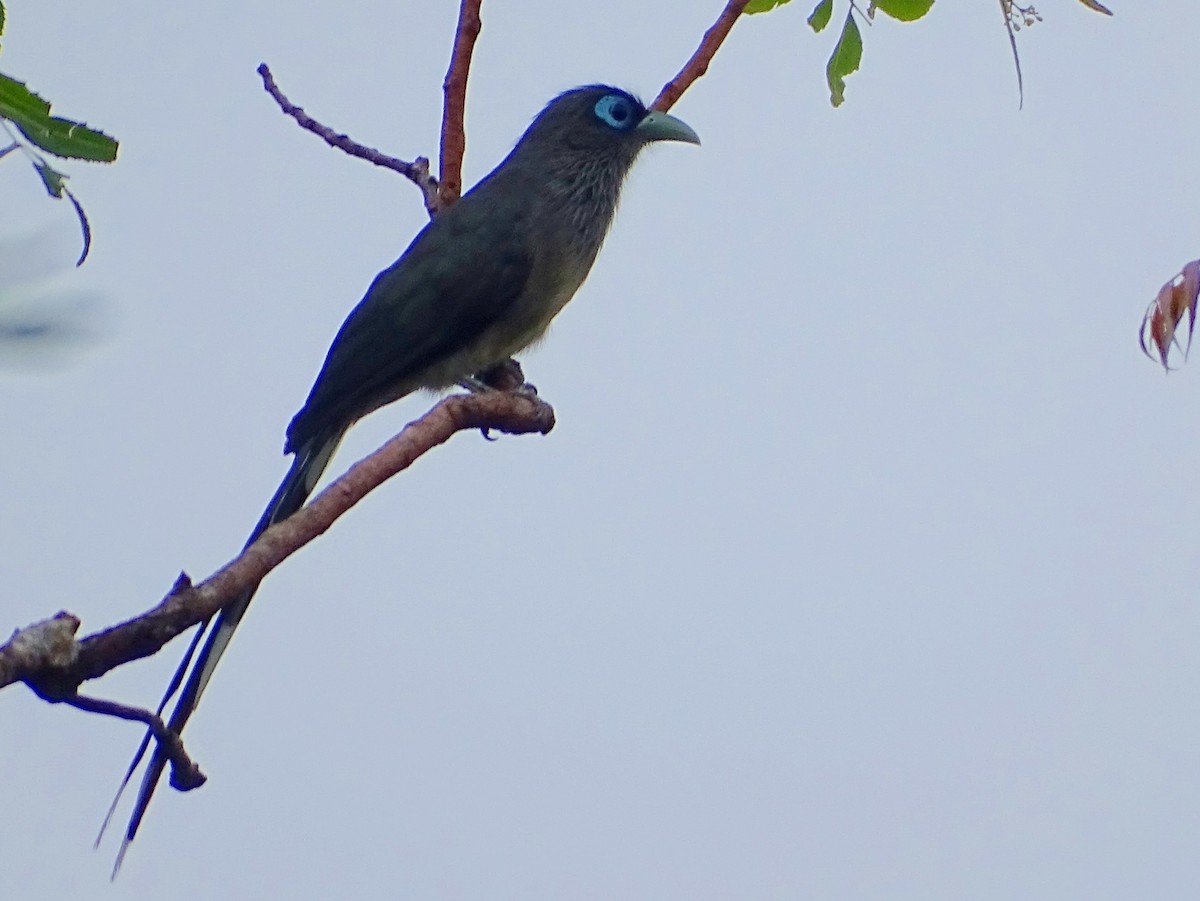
(47, 657)
(185, 774)
(454, 89)
(417, 171)
(44, 646)
(698, 64)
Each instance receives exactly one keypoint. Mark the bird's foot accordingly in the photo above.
(506, 375)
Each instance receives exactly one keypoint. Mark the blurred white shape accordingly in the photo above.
(45, 317)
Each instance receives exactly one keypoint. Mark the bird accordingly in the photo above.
(477, 285)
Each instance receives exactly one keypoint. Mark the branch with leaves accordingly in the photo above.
(847, 51)
(25, 118)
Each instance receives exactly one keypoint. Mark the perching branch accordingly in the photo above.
(454, 89)
(46, 655)
(417, 171)
(698, 64)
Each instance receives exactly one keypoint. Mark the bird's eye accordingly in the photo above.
(615, 110)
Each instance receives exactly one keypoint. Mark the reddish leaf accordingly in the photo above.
(1176, 299)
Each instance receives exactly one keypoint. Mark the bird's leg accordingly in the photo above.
(506, 375)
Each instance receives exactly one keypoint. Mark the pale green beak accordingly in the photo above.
(662, 127)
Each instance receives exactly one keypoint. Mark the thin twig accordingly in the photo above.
(46, 655)
(417, 171)
(185, 774)
(1006, 8)
(454, 89)
(698, 64)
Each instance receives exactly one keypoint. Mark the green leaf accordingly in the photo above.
(904, 10)
(61, 137)
(17, 100)
(68, 139)
(1, 17)
(820, 15)
(844, 61)
(762, 6)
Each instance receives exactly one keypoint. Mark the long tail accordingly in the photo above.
(310, 461)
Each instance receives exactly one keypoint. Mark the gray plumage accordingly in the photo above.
(480, 283)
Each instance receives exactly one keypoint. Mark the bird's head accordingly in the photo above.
(602, 120)
(574, 158)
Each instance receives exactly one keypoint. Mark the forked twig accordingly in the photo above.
(417, 171)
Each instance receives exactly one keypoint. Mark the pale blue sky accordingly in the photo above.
(860, 563)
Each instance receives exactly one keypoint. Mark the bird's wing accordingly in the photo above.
(459, 277)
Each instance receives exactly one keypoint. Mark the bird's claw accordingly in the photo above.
(474, 384)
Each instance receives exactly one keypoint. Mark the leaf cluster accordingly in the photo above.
(847, 52)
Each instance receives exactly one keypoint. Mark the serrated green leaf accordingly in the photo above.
(762, 6)
(61, 137)
(820, 16)
(70, 140)
(16, 100)
(904, 10)
(844, 61)
(1, 18)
